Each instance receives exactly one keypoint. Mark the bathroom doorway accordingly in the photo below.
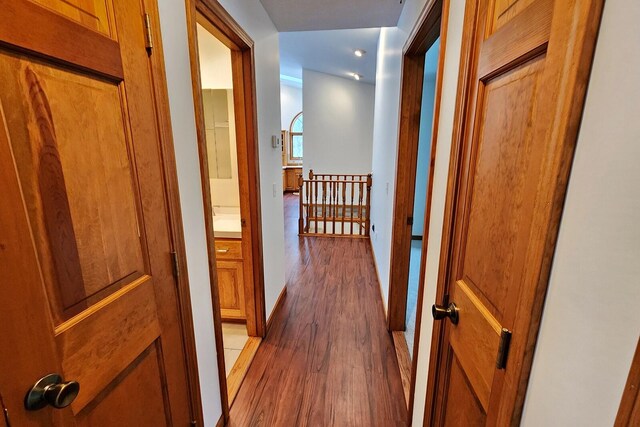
(224, 97)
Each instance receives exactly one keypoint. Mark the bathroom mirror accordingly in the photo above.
(216, 119)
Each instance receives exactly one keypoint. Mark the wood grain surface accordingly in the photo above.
(327, 358)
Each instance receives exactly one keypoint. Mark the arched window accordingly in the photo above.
(296, 144)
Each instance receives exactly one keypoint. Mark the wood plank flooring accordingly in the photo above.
(328, 359)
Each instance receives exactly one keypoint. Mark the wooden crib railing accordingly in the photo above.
(335, 205)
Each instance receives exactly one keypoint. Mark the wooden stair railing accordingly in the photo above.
(335, 205)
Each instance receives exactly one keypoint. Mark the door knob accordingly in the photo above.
(440, 312)
(51, 390)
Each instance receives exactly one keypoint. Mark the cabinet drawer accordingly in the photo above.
(228, 249)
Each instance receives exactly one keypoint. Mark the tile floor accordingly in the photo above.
(234, 337)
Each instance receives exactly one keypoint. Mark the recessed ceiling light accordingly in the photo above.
(356, 76)
(359, 52)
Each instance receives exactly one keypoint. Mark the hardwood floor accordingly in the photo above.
(328, 358)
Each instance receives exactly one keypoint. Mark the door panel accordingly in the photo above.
(77, 144)
(475, 341)
(505, 10)
(90, 13)
(501, 191)
(137, 393)
(83, 145)
(463, 408)
(133, 314)
(524, 72)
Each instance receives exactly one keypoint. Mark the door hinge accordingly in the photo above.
(176, 264)
(194, 423)
(148, 35)
(503, 348)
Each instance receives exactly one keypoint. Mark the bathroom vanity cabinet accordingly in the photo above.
(290, 176)
(231, 284)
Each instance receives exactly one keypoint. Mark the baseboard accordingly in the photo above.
(375, 266)
(416, 237)
(277, 307)
(404, 362)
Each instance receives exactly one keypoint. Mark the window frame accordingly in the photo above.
(290, 158)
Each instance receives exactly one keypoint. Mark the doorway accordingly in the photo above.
(423, 165)
(224, 96)
(421, 88)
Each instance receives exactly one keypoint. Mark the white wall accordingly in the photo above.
(176, 51)
(291, 104)
(338, 124)
(253, 18)
(591, 320)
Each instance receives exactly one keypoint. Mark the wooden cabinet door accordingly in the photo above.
(85, 248)
(524, 70)
(291, 177)
(231, 288)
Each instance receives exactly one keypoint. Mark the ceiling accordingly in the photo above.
(309, 15)
(330, 52)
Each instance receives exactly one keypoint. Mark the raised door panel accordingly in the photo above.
(505, 10)
(71, 148)
(502, 188)
(231, 289)
(90, 13)
(463, 407)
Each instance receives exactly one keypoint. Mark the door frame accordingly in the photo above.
(627, 414)
(578, 65)
(170, 172)
(426, 30)
(211, 15)
(431, 24)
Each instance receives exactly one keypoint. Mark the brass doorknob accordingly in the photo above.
(440, 312)
(51, 390)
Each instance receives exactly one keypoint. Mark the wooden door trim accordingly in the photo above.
(628, 412)
(175, 214)
(431, 24)
(577, 64)
(217, 20)
(423, 35)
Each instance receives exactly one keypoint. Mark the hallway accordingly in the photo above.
(328, 359)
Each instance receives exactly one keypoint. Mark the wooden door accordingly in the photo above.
(85, 248)
(524, 72)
